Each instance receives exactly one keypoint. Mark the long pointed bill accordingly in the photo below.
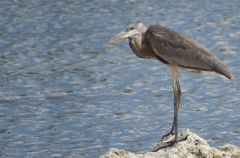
(123, 34)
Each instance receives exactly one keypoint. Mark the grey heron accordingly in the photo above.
(178, 52)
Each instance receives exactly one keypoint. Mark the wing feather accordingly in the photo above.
(182, 51)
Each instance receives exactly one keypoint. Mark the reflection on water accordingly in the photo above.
(65, 91)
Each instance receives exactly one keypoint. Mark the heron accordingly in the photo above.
(178, 52)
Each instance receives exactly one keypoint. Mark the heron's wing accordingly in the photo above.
(182, 51)
(177, 48)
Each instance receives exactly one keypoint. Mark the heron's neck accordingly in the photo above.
(139, 46)
(137, 39)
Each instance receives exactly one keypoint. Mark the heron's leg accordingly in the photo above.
(177, 97)
(167, 139)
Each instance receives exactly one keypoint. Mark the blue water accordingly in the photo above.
(66, 92)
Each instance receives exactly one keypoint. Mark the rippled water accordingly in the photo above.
(65, 91)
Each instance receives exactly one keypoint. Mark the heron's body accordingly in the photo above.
(177, 51)
(171, 47)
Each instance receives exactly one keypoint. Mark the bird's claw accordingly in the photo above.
(160, 145)
(167, 136)
(169, 141)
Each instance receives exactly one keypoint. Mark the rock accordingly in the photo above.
(193, 147)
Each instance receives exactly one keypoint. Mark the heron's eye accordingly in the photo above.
(131, 28)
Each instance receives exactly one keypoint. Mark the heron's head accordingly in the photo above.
(133, 27)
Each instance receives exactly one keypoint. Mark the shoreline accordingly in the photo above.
(193, 147)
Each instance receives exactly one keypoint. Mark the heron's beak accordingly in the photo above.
(123, 34)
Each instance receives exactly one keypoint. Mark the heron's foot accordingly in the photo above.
(161, 145)
(167, 136)
(169, 142)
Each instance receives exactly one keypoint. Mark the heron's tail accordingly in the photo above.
(221, 68)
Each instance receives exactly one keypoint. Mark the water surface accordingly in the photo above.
(66, 92)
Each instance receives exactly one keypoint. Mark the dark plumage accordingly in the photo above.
(175, 50)
(184, 52)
